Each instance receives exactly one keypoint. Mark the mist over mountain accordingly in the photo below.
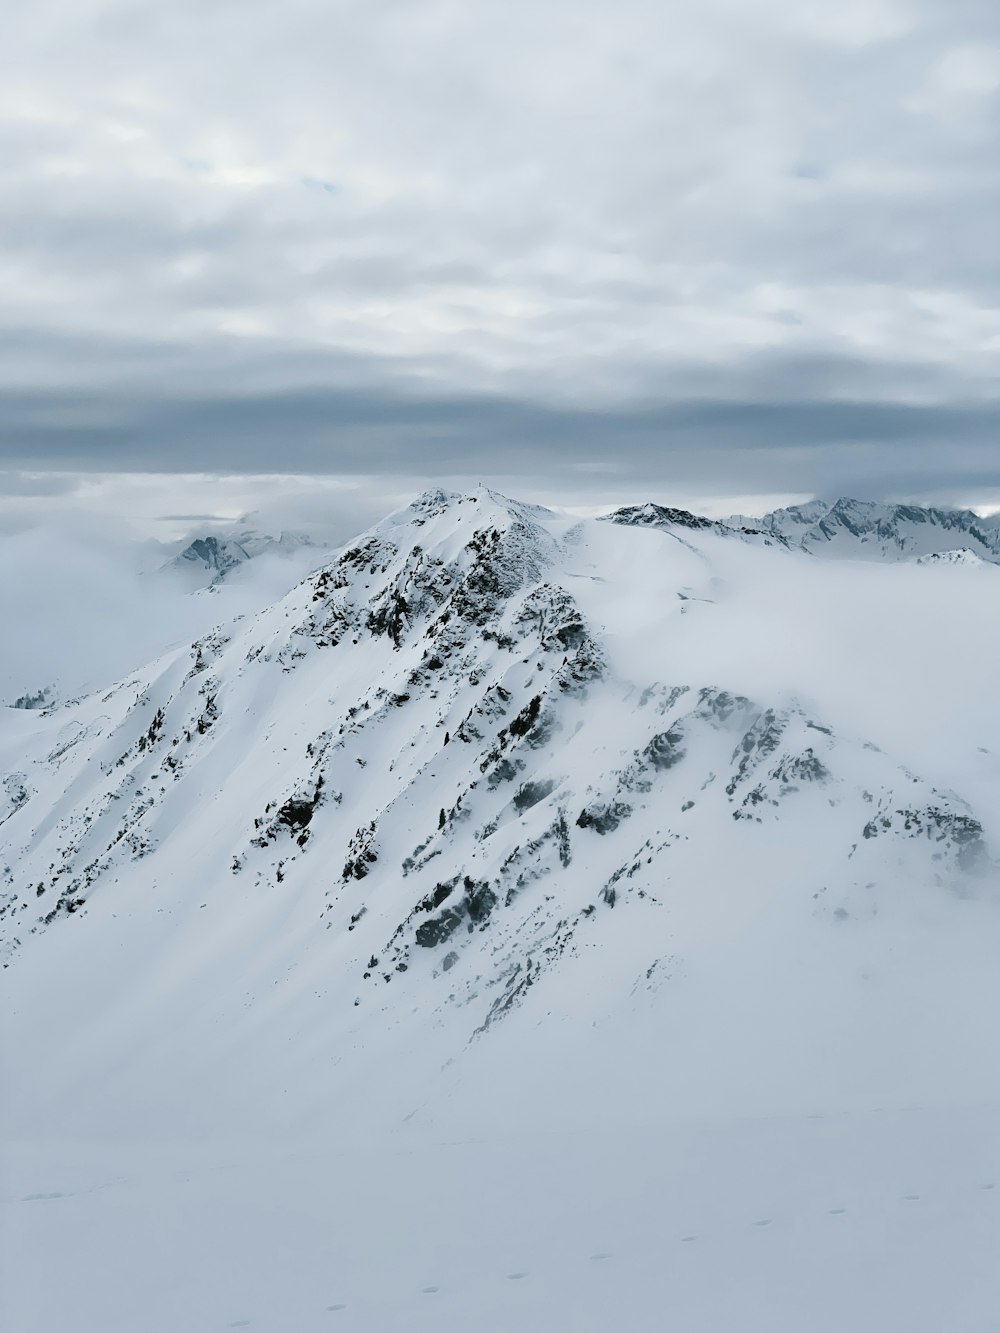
(90, 600)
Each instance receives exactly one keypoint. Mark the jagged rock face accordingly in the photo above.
(434, 755)
(868, 530)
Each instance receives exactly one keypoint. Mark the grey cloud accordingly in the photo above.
(194, 518)
(716, 240)
(775, 444)
(13, 483)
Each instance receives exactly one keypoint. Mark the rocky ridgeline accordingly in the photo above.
(675, 521)
(424, 751)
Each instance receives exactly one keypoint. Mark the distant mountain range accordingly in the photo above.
(867, 530)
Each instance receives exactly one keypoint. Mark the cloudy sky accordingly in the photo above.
(698, 251)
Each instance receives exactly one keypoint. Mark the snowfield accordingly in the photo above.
(526, 923)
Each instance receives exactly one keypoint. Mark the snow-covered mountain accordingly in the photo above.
(438, 719)
(865, 529)
(502, 828)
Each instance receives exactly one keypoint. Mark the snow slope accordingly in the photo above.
(526, 922)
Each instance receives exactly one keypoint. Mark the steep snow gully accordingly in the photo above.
(513, 924)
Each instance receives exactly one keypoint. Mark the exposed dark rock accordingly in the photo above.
(530, 793)
(666, 749)
(429, 934)
(505, 771)
(603, 818)
(297, 813)
(527, 717)
(473, 910)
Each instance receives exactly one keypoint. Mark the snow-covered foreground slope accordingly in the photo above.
(526, 923)
(877, 1221)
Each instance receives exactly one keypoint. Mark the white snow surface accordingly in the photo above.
(526, 923)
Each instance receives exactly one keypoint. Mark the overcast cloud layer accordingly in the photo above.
(739, 246)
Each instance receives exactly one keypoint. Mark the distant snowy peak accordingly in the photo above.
(865, 529)
(218, 555)
(651, 515)
(213, 557)
(669, 519)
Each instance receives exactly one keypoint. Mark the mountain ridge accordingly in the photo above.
(427, 738)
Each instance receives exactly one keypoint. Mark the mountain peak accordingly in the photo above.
(437, 501)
